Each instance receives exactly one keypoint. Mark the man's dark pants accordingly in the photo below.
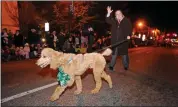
(125, 60)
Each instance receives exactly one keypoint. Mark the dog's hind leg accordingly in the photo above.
(97, 77)
(78, 82)
(107, 78)
(58, 91)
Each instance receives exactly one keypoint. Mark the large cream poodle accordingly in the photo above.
(76, 65)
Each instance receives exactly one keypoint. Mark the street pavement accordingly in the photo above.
(152, 80)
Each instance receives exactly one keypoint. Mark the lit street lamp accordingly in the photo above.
(140, 24)
(43, 40)
(153, 31)
(46, 30)
(46, 26)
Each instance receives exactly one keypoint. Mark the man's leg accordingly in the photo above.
(113, 61)
(125, 61)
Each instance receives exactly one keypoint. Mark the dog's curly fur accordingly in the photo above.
(79, 64)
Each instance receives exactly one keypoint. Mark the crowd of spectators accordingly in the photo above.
(19, 47)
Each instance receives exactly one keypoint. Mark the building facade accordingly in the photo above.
(9, 16)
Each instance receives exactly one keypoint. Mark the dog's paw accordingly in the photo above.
(110, 86)
(53, 98)
(77, 92)
(94, 91)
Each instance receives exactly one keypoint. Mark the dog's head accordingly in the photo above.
(50, 57)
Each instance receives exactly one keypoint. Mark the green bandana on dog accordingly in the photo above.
(62, 77)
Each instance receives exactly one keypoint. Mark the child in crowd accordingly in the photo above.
(39, 49)
(27, 51)
(6, 53)
(22, 53)
(69, 46)
(12, 52)
(2, 55)
(17, 53)
(32, 51)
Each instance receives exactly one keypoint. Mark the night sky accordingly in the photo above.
(162, 14)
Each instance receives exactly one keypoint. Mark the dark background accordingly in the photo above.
(160, 14)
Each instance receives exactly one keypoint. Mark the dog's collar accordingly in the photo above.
(70, 60)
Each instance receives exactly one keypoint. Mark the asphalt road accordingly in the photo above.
(152, 80)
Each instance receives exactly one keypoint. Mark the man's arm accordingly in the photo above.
(109, 20)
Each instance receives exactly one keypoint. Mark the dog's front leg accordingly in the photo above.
(58, 91)
(71, 81)
(78, 82)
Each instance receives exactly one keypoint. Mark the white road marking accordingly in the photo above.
(27, 92)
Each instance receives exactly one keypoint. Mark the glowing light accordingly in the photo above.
(43, 39)
(128, 37)
(175, 34)
(140, 24)
(47, 26)
(139, 36)
(143, 38)
(151, 37)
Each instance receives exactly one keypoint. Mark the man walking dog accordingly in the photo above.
(121, 29)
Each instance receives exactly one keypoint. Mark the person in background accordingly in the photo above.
(90, 39)
(82, 40)
(10, 33)
(17, 53)
(32, 51)
(69, 46)
(2, 55)
(18, 39)
(27, 51)
(2, 37)
(22, 53)
(10, 38)
(3, 31)
(39, 49)
(32, 36)
(12, 52)
(50, 40)
(77, 41)
(6, 53)
(61, 39)
(5, 39)
(55, 40)
(99, 43)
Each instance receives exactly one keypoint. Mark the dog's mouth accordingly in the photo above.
(43, 62)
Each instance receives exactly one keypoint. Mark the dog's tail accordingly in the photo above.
(107, 52)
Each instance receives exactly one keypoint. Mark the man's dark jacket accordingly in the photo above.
(119, 32)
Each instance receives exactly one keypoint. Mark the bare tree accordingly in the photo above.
(80, 13)
(12, 9)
